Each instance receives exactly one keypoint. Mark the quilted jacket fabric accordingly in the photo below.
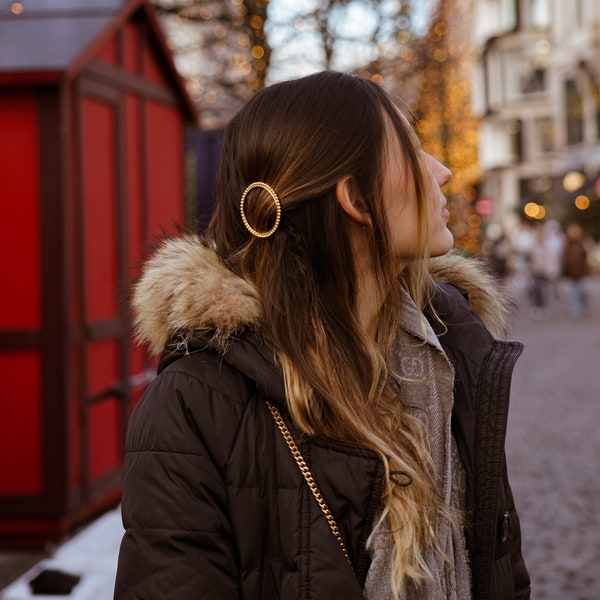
(215, 507)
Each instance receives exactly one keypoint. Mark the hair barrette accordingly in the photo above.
(271, 191)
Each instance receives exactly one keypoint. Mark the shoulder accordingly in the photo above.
(468, 308)
(207, 370)
(196, 403)
(463, 286)
(461, 327)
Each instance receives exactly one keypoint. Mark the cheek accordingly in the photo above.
(407, 234)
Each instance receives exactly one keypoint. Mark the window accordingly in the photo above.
(543, 135)
(500, 143)
(508, 13)
(523, 75)
(515, 132)
(534, 81)
(538, 13)
(494, 17)
(574, 113)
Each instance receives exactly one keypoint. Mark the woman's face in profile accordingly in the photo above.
(400, 201)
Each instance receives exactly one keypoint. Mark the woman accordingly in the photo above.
(328, 421)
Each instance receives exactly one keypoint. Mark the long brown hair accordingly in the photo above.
(301, 137)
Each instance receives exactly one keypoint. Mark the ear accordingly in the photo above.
(350, 201)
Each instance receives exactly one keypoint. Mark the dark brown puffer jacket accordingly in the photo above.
(213, 504)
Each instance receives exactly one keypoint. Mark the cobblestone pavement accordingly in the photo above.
(553, 450)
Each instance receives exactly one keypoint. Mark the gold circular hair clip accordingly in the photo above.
(273, 195)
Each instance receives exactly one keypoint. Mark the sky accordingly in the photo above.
(299, 54)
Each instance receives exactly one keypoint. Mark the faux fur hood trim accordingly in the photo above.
(483, 290)
(185, 286)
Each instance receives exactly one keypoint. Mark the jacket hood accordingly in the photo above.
(185, 286)
(472, 277)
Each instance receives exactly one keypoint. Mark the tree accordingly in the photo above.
(228, 49)
(221, 48)
(445, 121)
(338, 34)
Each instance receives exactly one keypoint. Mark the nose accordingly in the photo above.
(440, 172)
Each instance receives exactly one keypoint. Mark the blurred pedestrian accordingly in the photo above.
(539, 262)
(521, 240)
(496, 251)
(554, 241)
(575, 269)
(329, 418)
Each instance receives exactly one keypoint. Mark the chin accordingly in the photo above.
(442, 245)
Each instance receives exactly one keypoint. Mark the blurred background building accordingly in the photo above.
(537, 93)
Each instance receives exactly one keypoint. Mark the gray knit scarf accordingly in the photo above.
(427, 394)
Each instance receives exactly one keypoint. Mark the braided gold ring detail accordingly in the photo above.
(273, 195)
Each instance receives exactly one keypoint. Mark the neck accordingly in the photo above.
(369, 294)
(369, 303)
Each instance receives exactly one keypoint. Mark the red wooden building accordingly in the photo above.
(92, 126)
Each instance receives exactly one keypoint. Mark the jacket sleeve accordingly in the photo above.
(178, 541)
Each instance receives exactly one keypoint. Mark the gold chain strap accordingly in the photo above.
(291, 443)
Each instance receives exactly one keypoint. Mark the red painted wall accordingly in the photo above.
(99, 210)
(164, 135)
(20, 426)
(19, 242)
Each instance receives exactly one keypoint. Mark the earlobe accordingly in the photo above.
(350, 201)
